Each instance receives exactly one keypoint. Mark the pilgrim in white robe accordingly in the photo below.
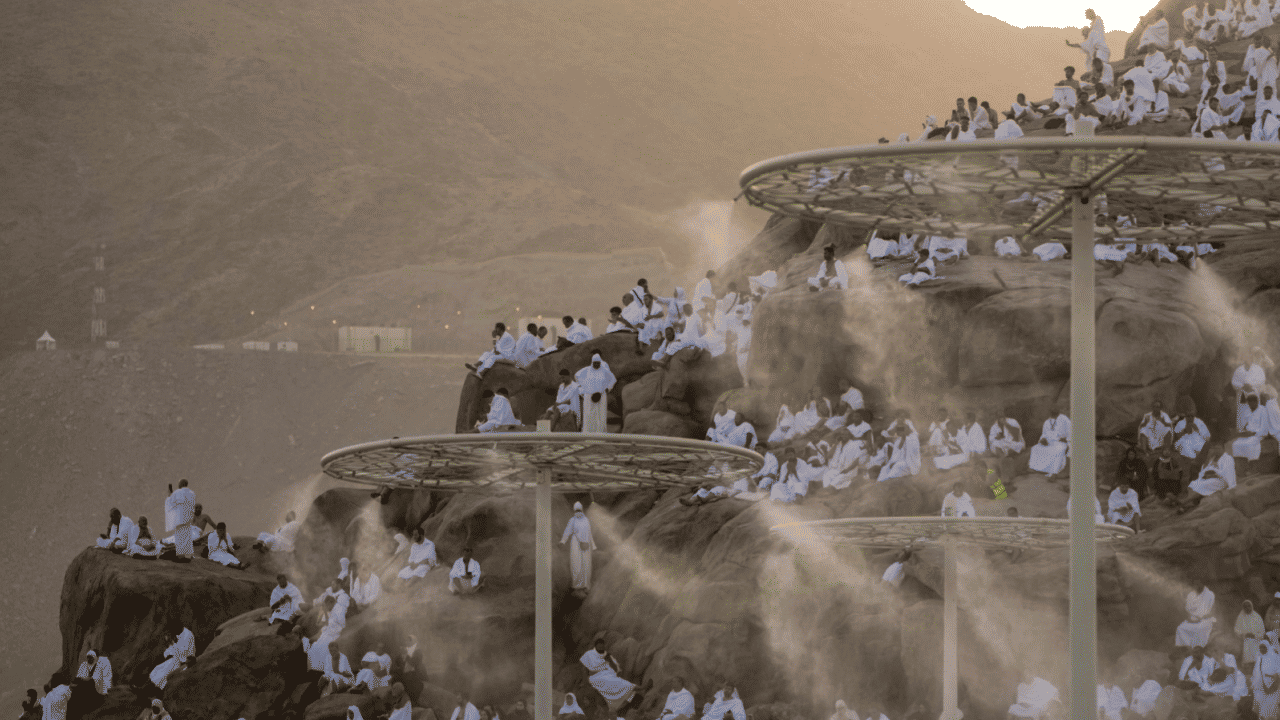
(422, 558)
(972, 440)
(879, 248)
(853, 398)
(291, 606)
(1155, 428)
(1050, 251)
(1122, 506)
(99, 673)
(848, 460)
(837, 276)
(457, 579)
(958, 507)
(179, 511)
(1049, 456)
(118, 537)
(220, 550)
(903, 458)
(465, 712)
(1195, 630)
(1118, 252)
(578, 333)
(1235, 686)
(768, 472)
(1144, 697)
(923, 272)
(1198, 674)
(810, 417)
(782, 426)
(595, 382)
(528, 349)
(500, 415)
(1250, 376)
(569, 399)
(605, 679)
(721, 706)
(1217, 474)
(366, 592)
(1095, 45)
(503, 349)
(1008, 246)
(342, 676)
(1249, 447)
(141, 545)
(1157, 34)
(1266, 685)
(1111, 702)
(54, 704)
(182, 649)
(1004, 438)
(1033, 698)
(579, 530)
(283, 538)
(570, 707)
(764, 282)
(722, 425)
(742, 435)
(680, 704)
(790, 483)
(895, 574)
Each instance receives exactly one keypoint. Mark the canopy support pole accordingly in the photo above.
(542, 675)
(950, 680)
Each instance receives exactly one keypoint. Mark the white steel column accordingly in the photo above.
(542, 595)
(950, 692)
(1083, 588)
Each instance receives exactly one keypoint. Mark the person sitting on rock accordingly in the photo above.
(528, 347)
(286, 603)
(116, 538)
(366, 588)
(617, 323)
(1196, 670)
(812, 417)
(422, 557)
(1049, 456)
(602, 673)
(504, 348)
(570, 710)
(465, 710)
(500, 413)
(332, 620)
(155, 712)
(179, 654)
(142, 544)
(1155, 429)
(568, 398)
(220, 547)
(371, 676)
(338, 676)
(96, 670)
(398, 700)
(337, 592)
(1195, 630)
(283, 538)
(680, 703)
(465, 577)
(957, 503)
(900, 457)
(1035, 694)
(1123, 507)
(1218, 473)
(832, 274)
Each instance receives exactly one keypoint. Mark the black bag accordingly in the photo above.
(595, 397)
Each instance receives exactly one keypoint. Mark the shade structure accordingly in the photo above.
(986, 532)
(545, 462)
(1083, 190)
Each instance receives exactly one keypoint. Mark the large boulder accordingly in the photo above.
(656, 422)
(245, 679)
(121, 607)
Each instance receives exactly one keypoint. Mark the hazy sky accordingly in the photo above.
(1116, 14)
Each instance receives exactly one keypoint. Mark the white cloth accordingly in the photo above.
(342, 675)
(1004, 437)
(962, 506)
(1008, 246)
(1155, 428)
(372, 679)
(579, 531)
(422, 557)
(1050, 455)
(467, 712)
(680, 703)
(570, 706)
(1033, 698)
(290, 607)
(100, 674)
(1195, 630)
(1198, 674)
(853, 398)
(578, 333)
(179, 511)
(764, 282)
(721, 706)
(1190, 441)
(1267, 672)
(1050, 251)
(1157, 34)
(903, 458)
(591, 381)
(1144, 697)
(182, 649)
(1111, 701)
(1122, 506)
(605, 679)
(134, 545)
(1217, 474)
(500, 414)
(460, 569)
(54, 705)
(1257, 422)
(404, 712)
(569, 398)
(1008, 130)
(118, 536)
(528, 349)
(283, 538)
(837, 276)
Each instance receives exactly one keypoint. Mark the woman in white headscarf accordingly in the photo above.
(97, 669)
(595, 381)
(570, 709)
(579, 531)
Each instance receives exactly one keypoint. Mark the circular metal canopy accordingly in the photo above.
(505, 462)
(1000, 532)
(1172, 189)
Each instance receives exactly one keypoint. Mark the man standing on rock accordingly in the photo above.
(578, 532)
(594, 382)
(179, 512)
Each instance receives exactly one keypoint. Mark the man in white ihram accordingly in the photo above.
(579, 532)
(594, 382)
(603, 676)
(179, 511)
(957, 503)
(831, 273)
(283, 538)
(177, 654)
(528, 347)
(1195, 630)
(97, 669)
(1034, 696)
(1049, 456)
(500, 413)
(680, 703)
(286, 601)
(464, 578)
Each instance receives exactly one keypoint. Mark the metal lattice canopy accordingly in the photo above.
(1172, 189)
(1000, 532)
(507, 462)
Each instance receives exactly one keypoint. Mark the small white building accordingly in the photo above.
(375, 339)
(287, 346)
(46, 342)
(257, 345)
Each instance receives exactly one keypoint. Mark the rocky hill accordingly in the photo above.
(237, 157)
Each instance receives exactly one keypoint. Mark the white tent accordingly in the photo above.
(46, 342)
